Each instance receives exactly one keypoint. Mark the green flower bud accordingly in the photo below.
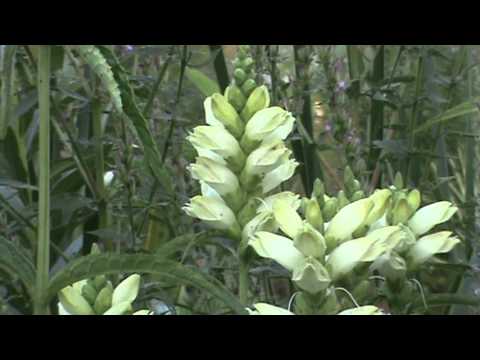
(247, 64)
(310, 242)
(127, 290)
(99, 282)
(248, 86)
(330, 209)
(400, 212)
(221, 179)
(240, 76)
(342, 200)
(358, 195)
(215, 213)
(319, 192)
(103, 302)
(348, 180)
(268, 126)
(414, 200)
(429, 216)
(235, 97)
(313, 214)
(356, 185)
(398, 182)
(263, 160)
(258, 100)
(311, 276)
(381, 200)
(73, 302)
(89, 292)
(217, 144)
(227, 115)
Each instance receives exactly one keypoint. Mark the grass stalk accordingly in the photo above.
(43, 241)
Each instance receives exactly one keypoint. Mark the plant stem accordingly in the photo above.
(43, 249)
(377, 111)
(103, 215)
(161, 75)
(243, 280)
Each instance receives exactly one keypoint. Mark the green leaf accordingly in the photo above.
(103, 264)
(202, 82)
(140, 123)
(16, 261)
(463, 109)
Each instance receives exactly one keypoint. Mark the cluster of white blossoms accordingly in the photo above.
(386, 230)
(241, 158)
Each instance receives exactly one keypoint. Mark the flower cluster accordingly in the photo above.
(97, 296)
(385, 231)
(241, 152)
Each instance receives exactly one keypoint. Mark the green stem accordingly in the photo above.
(156, 86)
(243, 280)
(43, 250)
(103, 215)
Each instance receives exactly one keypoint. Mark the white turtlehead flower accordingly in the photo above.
(213, 139)
(220, 178)
(311, 276)
(267, 125)
(381, 200)
(286, 197)
(280, 174)
(430, 245)
(263, 160)
(287, 218)
(127, 290)
(213, 212)
(119, 308)
(73, 302)
(263, 221)
(347, 255)
(278, 248)
(347, 221)
(429, 216)
(310, 242)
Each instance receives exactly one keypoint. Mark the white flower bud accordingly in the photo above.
(213, 212)
(220, 142)
(429, 216)
(268, 125)
(220, 178)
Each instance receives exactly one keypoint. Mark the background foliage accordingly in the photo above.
(380, 109)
